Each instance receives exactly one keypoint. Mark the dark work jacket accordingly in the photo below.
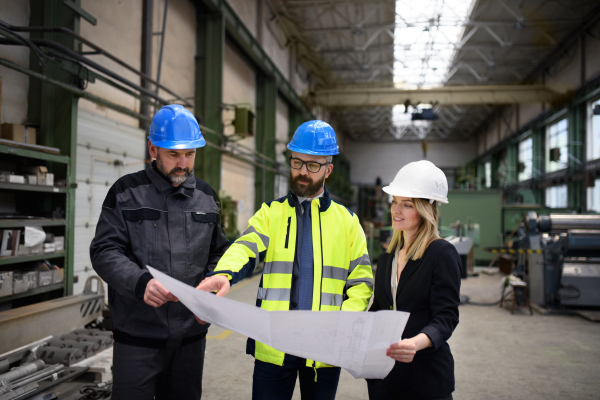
(145, 220)
(429, 290)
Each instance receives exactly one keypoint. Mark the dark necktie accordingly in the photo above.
(305, 280)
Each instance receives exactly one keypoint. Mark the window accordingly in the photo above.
(488, 174)
(556, 143)
(525, 159)
(556, 196)
(593, 197)
(593, 132)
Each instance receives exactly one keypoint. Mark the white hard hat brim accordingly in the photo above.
(401, 192)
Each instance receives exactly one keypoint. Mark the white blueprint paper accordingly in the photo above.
(355, 341)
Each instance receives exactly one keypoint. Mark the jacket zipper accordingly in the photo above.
(155, 242)
(287, 236)
(321, 240)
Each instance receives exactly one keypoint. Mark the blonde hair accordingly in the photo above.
(426, 233)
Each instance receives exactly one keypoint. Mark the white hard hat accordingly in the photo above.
(421, 180)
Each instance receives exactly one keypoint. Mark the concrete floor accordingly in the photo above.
(497, 355)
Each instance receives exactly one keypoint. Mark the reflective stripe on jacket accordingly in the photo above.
(343, 278)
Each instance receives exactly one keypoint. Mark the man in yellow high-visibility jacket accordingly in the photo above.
(315, 257)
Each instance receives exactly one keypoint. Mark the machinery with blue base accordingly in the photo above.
(563, 259)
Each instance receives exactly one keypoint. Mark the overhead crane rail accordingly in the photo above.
(446, 95)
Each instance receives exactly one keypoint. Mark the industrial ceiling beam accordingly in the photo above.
(387, 48)
(421, 24)
(475, 95)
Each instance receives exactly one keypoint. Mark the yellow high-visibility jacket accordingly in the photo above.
(343, 278)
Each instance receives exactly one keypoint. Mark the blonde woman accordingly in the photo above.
(420, 274)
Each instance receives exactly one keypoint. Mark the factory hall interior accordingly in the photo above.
(299, 199)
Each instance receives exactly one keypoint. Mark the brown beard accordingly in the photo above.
(178, 179)
(306, 191)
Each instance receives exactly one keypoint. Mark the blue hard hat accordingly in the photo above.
(316, 138)
(174, 127)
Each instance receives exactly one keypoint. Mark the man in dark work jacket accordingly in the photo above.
(167, 218)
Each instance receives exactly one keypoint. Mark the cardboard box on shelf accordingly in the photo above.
(49, 179)
(37, 249)
(11, 178)
(6, 283)
(59, 241)
(10, 242)
(40, 172)
(20, 284)
(23, 251)
(31, 179)
(24, 281)
(16, 179)
(49, 247)
(32, 279)
(18, 133)
(58, 275)
(45, 278)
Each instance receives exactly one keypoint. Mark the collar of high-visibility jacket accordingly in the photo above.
(301, 200)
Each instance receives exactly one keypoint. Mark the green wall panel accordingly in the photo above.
(480, 207)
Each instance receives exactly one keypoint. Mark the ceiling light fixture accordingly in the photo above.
(518, 26)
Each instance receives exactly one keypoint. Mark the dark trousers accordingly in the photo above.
(141, 373)
(380, 390)
(272, 382)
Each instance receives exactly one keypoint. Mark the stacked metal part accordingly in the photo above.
(23, 379)
(49, 358)
(567, 272)
(75, 346)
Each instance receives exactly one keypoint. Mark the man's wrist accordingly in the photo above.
(140, 287)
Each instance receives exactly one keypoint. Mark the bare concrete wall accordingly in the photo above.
(237, 177)
(178, 64)
(281, 137)
(119, 31)
(15, 85)
(385, 159)
(279, 52)
(246, 11)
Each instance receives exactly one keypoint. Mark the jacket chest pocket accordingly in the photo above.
(143, 225)
(200, 227)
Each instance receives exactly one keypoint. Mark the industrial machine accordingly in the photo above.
(464, 246)
(562, 253)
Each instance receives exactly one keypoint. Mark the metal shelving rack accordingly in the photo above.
(17, 151)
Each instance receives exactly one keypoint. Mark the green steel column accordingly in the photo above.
(495, 166)
(295, 119)
(210, 42)
(54, 110)
(480, 176)
(538, 160)
(512, 163)
(266, 104)
(576, 133)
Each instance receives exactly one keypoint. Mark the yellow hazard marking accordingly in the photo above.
(222, 335)
(513, 251)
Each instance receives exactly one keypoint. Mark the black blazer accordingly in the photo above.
(429, 290)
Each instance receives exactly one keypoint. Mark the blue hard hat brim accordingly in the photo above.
(188, 144)
(297, 149)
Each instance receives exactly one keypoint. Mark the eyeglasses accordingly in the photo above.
(311, 166)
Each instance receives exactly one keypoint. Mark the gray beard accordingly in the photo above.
(176, 179)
